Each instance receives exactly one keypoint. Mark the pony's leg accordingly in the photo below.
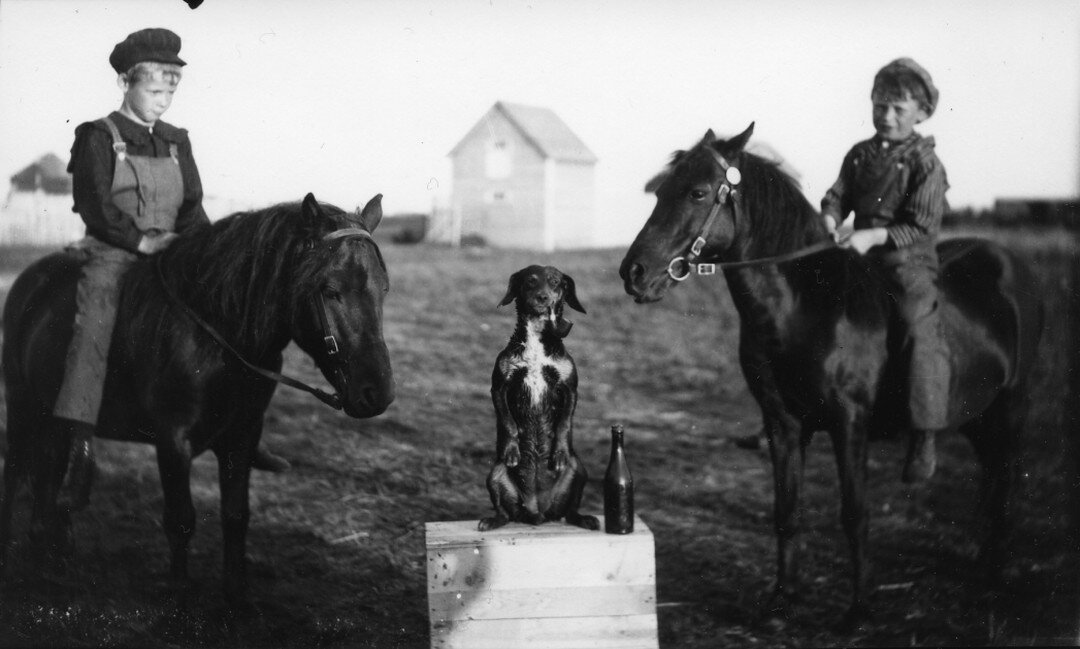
(788, 453)
(49, 526)
(178, 520)
(996, 437)
(849, 446)
(234, 475)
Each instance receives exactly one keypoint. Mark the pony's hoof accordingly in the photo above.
(264, 460)
(855, 619)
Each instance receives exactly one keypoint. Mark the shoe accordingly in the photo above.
(264, 460)
(921, 457)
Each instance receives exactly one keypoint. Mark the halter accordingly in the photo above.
(330, 342)
(728, 192)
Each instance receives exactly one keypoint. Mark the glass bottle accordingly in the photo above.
(618, 488)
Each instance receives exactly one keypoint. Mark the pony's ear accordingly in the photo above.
(737, 143)
(310, 211)
(371, 215)
(570, 294)
(511, 289)
(709, 137)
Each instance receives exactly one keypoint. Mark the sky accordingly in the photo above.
(349, 98)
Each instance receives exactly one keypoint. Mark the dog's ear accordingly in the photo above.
(511, 289)
(570, 294)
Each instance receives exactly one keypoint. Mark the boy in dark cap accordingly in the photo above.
(895, 184)
(136, 186)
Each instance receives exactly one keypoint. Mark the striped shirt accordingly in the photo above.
(899, 186)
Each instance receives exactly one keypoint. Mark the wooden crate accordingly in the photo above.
(553, 586)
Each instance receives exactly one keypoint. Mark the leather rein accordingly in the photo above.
(728, 191)
(333, 352)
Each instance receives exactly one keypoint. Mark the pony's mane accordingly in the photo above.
(234, 271)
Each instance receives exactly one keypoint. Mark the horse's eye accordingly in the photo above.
(697, 194)
(332, 293)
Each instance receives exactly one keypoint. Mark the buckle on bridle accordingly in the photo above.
(331, 345)
(671, 271)
(706, 269)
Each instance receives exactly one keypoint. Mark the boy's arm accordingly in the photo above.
(919, 217)
(91, 169)
(835, 205)
(191, 212)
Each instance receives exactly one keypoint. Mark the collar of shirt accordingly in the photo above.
(138, 134)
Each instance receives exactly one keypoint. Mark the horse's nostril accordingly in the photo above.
(637, 271)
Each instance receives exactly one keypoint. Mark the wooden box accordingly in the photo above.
(553, 586)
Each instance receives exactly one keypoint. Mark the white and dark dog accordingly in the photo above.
(537, 477)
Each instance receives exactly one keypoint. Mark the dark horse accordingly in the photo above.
(293, 272)
(815, 343)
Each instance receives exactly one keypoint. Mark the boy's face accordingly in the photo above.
(895, 119)
(148, 98)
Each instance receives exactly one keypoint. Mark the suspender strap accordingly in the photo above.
(119, 145)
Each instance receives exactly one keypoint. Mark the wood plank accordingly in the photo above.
(604, 561)
(600, 632)
(569, 601)
(451, 533)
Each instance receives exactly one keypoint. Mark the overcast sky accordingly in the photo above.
(350, 98)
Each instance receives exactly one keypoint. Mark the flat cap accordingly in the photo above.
(905, 64)
(151, 44)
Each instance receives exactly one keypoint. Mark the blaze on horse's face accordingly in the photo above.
(352, 282)
(685, 195)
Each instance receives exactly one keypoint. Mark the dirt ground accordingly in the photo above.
(337, 544)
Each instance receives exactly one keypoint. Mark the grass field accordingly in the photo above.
(667, 371)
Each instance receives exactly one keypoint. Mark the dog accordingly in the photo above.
(536, 476)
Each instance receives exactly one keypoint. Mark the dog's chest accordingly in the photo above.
(535, 361)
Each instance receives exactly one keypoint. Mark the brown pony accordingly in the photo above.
(817, 343)
(301, 272)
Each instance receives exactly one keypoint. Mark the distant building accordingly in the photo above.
(1037, 211)
(522, 179)
(37, 209)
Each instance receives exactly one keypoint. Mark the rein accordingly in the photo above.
(708, 266)
(332, 349)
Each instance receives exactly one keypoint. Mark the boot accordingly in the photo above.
(81, 465)
(921, 457)
(265, 460)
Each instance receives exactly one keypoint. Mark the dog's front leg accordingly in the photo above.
(564, 428)
(509, 452)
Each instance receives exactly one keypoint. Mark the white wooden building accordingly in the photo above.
(522, 179)
(37, 208)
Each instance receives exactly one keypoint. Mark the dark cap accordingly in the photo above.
(152, 44)
(910, 66)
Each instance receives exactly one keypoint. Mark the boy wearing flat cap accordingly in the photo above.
(895, 184)
(136, 186)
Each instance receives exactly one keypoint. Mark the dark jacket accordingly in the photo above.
(898, 186)
(91, 166)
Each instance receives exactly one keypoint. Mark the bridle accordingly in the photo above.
(728, 192)
(335, 358)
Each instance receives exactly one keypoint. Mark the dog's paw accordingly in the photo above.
(511, 455)
(584, 521)
(491, 523)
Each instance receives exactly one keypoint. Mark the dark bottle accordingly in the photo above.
(618, 488)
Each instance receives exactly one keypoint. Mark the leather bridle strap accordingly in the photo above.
(332, 350)
(708, 266)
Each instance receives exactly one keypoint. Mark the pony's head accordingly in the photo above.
(338, 304)
(695, 215)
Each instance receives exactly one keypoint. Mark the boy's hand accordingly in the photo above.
(150, 244)
(830, 227)
(863, 240)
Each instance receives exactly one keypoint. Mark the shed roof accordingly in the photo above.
(48, 173)
(543, 129)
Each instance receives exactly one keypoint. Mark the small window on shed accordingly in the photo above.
(497, 161)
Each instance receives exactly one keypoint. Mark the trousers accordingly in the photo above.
(96, 298)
